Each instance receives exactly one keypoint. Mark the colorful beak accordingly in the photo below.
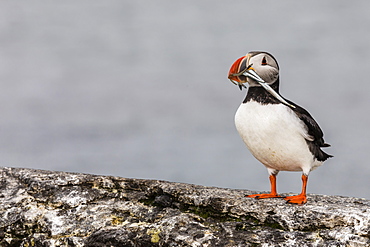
(238, 66)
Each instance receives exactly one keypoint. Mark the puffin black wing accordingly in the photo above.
(314, 131)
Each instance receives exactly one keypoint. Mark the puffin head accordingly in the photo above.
(254, 68)
(258, 69)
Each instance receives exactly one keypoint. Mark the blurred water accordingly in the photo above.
(139, 88)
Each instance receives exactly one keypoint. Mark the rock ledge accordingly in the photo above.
(45, 208)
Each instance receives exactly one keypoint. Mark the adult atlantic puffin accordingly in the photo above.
(279, 133)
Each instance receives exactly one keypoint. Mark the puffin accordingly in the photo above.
(280, 134)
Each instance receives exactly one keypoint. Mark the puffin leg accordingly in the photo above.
(301, 198)
(273, 193)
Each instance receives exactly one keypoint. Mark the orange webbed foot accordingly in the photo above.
(301, 198)
(263, 196)
(272, 194)
(298, 199)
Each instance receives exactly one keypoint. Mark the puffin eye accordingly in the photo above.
(264, 62)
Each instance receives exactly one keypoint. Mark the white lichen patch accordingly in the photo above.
(35, 211)
(74, 198)
(56, 223)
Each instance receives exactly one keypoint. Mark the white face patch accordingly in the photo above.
(265, 66)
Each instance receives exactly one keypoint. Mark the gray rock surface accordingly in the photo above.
(45, 208)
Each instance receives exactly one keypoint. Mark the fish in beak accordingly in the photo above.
(236, 72)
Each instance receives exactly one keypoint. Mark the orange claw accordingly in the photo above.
(301, 198)
(273, 193)
(298, 199)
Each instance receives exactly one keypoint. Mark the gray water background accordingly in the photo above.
(139, 88)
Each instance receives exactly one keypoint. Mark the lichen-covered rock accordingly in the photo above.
(44, 208)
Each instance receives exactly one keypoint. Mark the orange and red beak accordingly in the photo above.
(236, 71)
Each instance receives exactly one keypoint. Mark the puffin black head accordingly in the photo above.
(258, 69)
(254, 68)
